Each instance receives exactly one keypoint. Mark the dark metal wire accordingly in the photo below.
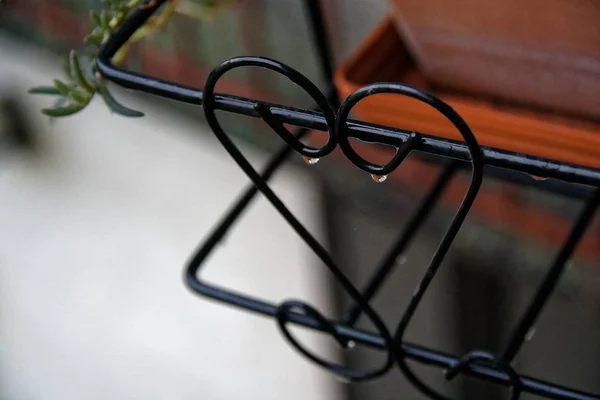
(480, 364)
(318, 28)
(285, 310)
(484, 357)
(550, 281)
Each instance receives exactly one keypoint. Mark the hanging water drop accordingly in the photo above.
(379, 178)
(530, 334)
(310, 160)
(350, 345)
(343, 379)
(402, 260)
(538, 178)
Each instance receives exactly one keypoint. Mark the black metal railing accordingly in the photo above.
(339, 129)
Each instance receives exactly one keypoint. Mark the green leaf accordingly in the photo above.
(80, 97)
(67, 68)
(63, 111)
(105, 20)
(95, 18)
(62, 87)
(95, 37)
(117, 107)
(77, 74)
(45, 90)
(81, 83)
(92, 40)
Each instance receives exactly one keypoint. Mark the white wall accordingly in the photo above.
(95, 228)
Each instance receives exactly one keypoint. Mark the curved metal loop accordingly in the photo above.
(306, 309)
(482, 356)
(265, 110)
(343, 133)
(283, 316)
(477, 163)
(209, 107)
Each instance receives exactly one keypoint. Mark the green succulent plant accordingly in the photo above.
(82, 82)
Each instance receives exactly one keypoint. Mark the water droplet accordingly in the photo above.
(310, 160)
(343, 379)
(350, 345)
(402, 260)
(530, 334)
(538, 178)
(379, 178)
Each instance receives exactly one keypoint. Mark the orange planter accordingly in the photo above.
(383, 57)
(543, 53)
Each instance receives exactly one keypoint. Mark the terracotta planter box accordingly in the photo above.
(383, 57)
(543, 53)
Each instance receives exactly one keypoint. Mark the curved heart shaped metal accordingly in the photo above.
(264, 110)
(209, 106)
(440, 253)
(323, 324)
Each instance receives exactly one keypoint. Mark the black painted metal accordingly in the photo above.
(480, 364)
(551, 280)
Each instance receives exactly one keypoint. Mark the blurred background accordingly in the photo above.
(99, 214)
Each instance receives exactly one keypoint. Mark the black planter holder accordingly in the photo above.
(495, 368)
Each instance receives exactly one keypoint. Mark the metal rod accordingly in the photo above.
(316, 121)
(529, 385)
(323, 46)
(549, 283)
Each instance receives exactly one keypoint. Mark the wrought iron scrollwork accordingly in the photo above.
(339, 129)
(284, 311)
